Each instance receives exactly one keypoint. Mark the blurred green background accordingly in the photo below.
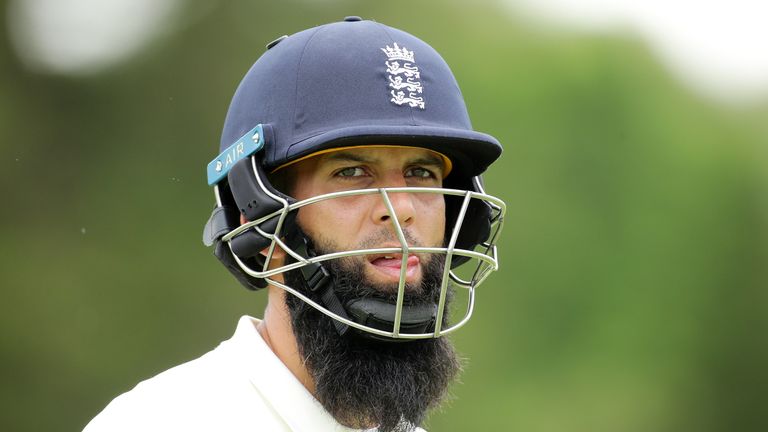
(633, 290)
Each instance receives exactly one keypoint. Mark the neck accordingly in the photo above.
(277, 332)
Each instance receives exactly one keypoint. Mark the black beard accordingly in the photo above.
(366, 383)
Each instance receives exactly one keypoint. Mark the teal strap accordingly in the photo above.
(247, 145)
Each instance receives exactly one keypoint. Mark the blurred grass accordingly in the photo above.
(632, 295)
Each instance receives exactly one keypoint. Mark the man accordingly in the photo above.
(348, 185)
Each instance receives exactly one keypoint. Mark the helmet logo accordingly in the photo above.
(233, 154)
(403, 75)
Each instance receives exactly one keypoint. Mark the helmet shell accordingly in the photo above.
(336, 85)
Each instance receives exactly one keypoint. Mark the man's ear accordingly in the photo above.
(278, 253)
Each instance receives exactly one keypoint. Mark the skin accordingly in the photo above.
(357, 219)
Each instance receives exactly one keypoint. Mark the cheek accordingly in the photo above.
(335, 222)
(431, 218)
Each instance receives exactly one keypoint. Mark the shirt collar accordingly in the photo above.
(290, 399)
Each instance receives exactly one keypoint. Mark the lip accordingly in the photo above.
(390, 264)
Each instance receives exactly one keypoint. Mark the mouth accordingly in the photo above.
(389, 266)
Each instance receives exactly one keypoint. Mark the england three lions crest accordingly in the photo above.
(403, 75)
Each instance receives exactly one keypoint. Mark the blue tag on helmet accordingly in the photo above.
(247, 145)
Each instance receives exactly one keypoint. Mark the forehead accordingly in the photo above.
(378, 154)
(375, 154)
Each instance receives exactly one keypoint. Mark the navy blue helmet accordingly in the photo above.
(349, 84)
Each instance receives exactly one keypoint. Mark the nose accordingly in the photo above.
(402, 204)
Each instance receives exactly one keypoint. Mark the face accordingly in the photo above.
(362, 382)
(364, 222)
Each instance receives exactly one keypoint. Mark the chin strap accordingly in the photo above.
(321, 282)
(371, 312)
(380, 314)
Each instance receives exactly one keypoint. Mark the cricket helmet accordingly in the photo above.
(342, 85)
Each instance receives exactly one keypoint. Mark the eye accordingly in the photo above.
(419, 172)
(350, 172)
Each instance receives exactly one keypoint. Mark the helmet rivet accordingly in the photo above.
(255, 137)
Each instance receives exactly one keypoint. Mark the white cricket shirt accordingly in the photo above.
(239, 386)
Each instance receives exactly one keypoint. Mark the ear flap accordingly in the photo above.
(253, 193)
(222, 252)
(476, 226)
(247, 191)
(224, 219)
(255, 198)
